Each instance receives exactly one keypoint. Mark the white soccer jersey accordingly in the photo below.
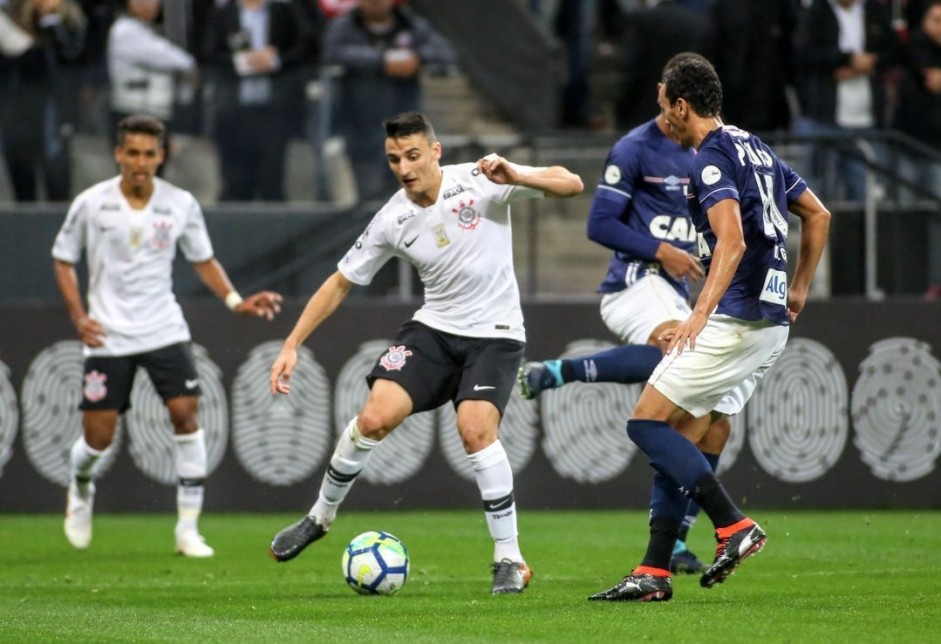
(462, 247)
(130, 262)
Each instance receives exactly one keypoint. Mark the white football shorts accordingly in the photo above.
(633, 314)
(721, 374)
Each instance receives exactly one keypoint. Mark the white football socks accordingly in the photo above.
(82, 459)
(190, 456)
(495, 481)
(348, 460)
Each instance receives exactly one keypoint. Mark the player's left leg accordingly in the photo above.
(477, 422)
(486, 383)
(190, 458)
(172, 370)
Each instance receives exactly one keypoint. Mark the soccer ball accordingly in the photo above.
(375, 563)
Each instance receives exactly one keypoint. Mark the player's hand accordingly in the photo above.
(796, 299)
(280, 379)
(90, 332)
(264, 304)
(678, 263)
(498, 170)
(684, 336)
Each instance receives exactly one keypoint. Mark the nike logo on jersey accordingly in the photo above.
(409, 243)
(483, 387)
(191, 384)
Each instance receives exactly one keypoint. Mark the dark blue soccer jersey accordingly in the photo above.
(733, 164)
(640, 202)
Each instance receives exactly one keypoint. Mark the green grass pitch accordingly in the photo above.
(823, 577)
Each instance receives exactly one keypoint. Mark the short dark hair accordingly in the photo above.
(683, 56)
(141, 124)
(407, 124)
(694, 80)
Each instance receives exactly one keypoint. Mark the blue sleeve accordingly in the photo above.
(712, 178)
(606, 228)
(612, 199)
(794, 184)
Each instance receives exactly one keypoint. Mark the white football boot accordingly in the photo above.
(78, 513)
(190, 543)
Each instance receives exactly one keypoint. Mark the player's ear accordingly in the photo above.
(436, 150)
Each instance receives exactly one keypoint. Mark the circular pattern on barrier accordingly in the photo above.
(151, 434)
(895, 409)
(52, 422)
(403, 452)
(9, 416)
(585, 424)
(518, 433)
(733, 447)
(280, 440)
(797, 425)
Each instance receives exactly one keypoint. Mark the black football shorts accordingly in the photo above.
(435, 367)
(107, 380)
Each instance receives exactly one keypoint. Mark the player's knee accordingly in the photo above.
(182, 412)
(184, 423)
(641, 431)
(477, 436)
(99, 428)
(714, 440)
(373, 424)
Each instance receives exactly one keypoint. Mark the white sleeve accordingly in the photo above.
(70, 241)
(504, 194)
(370, 252)
(133, 44)
(194, 241)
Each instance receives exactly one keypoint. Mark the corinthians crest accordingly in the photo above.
(467, 217)
(394, 358)
(161, 237)
(95, 388)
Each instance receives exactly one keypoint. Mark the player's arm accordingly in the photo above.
(815, 226)
(264, 304)
(606, 228)
(725, 219)
(319, 307)
(90, 331)
(553, 181)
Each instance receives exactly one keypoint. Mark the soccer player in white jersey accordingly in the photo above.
(463, 345)
(738, 190)
(129, 227)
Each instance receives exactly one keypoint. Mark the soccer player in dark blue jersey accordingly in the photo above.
(738, 192)
(639, 211)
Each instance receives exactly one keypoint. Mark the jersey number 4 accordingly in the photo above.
(774, 224)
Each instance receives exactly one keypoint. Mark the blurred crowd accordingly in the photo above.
(236, 72)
